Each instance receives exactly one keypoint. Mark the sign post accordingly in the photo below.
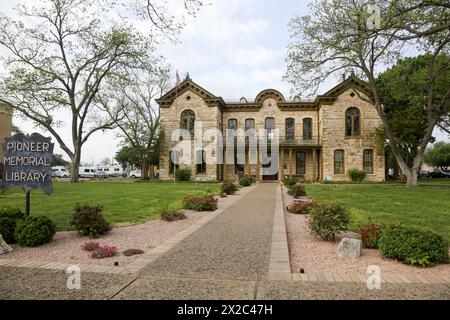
(27, 165)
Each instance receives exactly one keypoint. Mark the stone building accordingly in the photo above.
(318, 139)
(5, 128)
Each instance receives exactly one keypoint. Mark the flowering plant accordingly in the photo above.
(301, 207)
(90, 246)
(371, 234)
(104, 252)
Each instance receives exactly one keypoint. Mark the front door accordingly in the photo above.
(269, 173)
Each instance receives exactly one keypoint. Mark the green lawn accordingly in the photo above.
(122, 201)
(427, 206)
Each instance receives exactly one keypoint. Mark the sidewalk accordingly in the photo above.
(234, 245)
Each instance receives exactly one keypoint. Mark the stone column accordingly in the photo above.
(224, 178)
(314, 165)
(258, 166)
(281, 164)
(290, 163)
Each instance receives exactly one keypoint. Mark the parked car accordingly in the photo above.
(60, 172)
(136, 174)
(440, 174)
(424, 174)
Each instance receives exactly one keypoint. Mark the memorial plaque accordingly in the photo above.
(27, 163)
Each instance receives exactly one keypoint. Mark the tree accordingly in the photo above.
(61, 62)
(140, 127)
(127, 156)
(404, 101)
(438, 156)
(344, 36)
(58, 160)
(105, 162)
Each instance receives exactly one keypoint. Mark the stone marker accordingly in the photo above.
(350, 248)
(4, 248)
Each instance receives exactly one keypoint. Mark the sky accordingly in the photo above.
(232, 48)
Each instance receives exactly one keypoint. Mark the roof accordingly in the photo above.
(328, 98)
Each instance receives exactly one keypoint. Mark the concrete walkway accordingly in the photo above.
(234, 245)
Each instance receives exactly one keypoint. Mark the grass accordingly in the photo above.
(123, 202)
(427, 206)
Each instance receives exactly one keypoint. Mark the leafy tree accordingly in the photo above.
(127, 156)
(58, 160)
(140, 127)
(339, 36)
(61, 62)
(438, 156)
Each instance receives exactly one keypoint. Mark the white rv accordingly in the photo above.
(112, 171)
(86, 172)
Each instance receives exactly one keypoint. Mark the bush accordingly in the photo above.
(104, 252)
(132, 252)
(89, 220)
(90, 246)
(8, 220)
(173, 216)
(228, 187)
(356, 175)
(183, 174)
(34, 231)
(297, 191)
(200, 203)
(413, 246)
(246, 181)
(371, 234)
(288, 182)
(301, 207)
(326, 221)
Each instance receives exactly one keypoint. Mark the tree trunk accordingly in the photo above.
(75, 167)
(144, 165)
(411, 178)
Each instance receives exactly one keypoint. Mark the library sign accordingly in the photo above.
(27, 163)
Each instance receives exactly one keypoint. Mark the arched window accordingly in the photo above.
(290, 128)
(339, 163)
(368, 161)
(188, 121)
(352, 122)
(249, 124)
(307, 129)
(201, 161)
(232, 124)
(269, 126)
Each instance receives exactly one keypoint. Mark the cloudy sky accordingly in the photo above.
(232, 48)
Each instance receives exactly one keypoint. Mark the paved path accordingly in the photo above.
(234, 245)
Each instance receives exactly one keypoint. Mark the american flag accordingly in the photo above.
(178, 80)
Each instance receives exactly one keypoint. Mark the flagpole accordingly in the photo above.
(176, 96)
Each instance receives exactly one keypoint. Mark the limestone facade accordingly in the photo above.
(310, 157)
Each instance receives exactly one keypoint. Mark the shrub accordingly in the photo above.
(297, 191)
(246, 181)
(173, 216)
(413, 246)
(301, 207)
(183, 174)
(326, 221)
(200, 203)
(228, 187)
(371, 234)
(104, 252)
(132, 252)
(356, 175)
(90, 246)
(288, 182)
(34, 231)
(89, 220)
(8, 219)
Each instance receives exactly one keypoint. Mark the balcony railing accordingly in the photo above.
(285, 142)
